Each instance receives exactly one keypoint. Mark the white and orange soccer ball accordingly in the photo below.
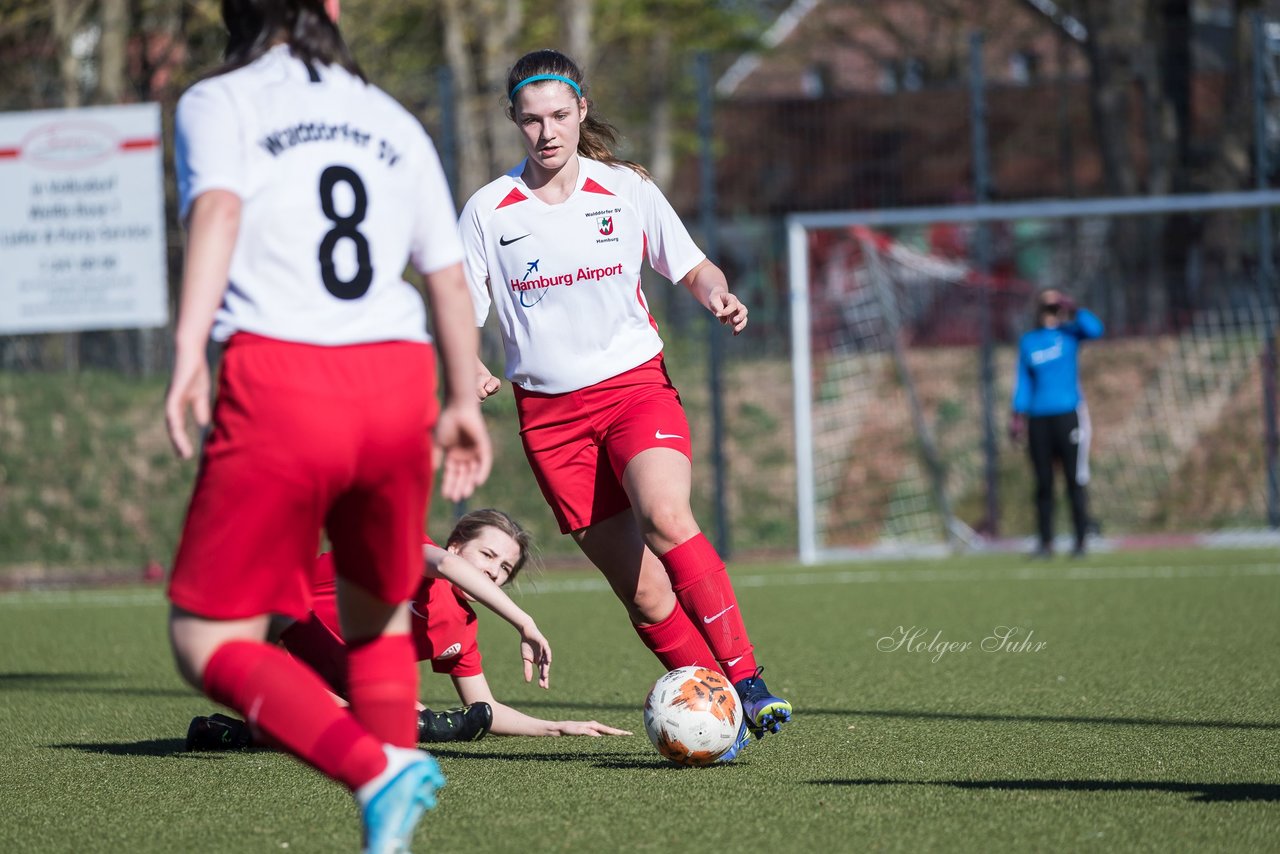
(692, 715)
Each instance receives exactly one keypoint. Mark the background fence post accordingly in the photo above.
(446, 136)
(1266, 266)
(446, 140)
(982, 258)
(711, 245)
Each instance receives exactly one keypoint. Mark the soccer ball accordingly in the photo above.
(692, 715)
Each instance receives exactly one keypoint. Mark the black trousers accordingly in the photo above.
(1050, 439)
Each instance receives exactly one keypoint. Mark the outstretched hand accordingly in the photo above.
(595, 729)
(535, 650)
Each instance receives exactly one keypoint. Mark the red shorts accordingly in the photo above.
(442, 625)
(304, 438)
(579, 443)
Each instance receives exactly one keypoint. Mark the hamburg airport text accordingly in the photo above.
(585, 274)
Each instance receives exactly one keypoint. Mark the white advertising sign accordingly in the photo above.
(82, 232)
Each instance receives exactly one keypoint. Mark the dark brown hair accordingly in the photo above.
(596, 137)
(470, 526)
(254, 26)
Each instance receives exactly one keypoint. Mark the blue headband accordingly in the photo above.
(535, 78)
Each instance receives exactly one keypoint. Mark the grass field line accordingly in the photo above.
(129, 598)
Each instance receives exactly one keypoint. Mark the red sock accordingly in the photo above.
(312, 642)
(284, 701)
(382, 685)
(701, 584)
(676, 642)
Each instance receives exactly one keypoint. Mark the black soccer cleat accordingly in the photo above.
(218, 732)
(469, 723)
(763, 711)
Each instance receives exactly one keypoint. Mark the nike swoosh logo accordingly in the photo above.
(503, 241)
(731, 662)
(658, 434)
(416, 611)
(715, 617)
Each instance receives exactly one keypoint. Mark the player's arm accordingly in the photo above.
(1087, 325)
(1021, 399)
(509, 721)
(709, 287)
(213, 223)
(534, 648)
(460, 430)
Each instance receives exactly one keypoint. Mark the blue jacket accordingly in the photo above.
(1048, 382)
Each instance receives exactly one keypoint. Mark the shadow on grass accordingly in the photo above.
(175, 747)
(82, 683)
(1200, 792)
(802, 711)
(149, 747)
(595, 760)
(29, 679)
(1047, 719)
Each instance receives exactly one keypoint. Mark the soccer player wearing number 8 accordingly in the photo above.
(555, 247)
(305, 191)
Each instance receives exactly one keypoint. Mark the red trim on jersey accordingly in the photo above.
(514, 196)
(590, 186)
(139, 144)
(6, 153)
(639, 293)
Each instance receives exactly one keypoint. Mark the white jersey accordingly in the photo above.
(565, 279)
(340, 187)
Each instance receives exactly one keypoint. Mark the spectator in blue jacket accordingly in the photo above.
(1046, 400)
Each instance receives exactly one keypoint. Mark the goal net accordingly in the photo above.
(888, 317)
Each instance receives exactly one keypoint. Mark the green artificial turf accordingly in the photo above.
(1148, 721)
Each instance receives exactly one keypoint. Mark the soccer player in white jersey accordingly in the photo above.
(305, 191)
(555, 248)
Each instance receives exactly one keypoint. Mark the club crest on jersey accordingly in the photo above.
(606, 225)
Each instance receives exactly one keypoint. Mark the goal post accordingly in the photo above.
(885, 341)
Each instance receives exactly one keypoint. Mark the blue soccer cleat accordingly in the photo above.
(763, 710)
(390, 814)
(741, 743)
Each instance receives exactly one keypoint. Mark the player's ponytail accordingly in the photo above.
(254, 26)
(596, 137)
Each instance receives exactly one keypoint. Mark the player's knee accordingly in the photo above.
(651, 603)
(667, 526)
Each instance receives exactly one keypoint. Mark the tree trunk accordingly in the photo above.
(662, 160)
(1182, 234)
(111, 55)
(1230, 156)
(67, 17)
(1110, 85)
(579, 44)
(500, 31)
(1114, 38)
(473, 161)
